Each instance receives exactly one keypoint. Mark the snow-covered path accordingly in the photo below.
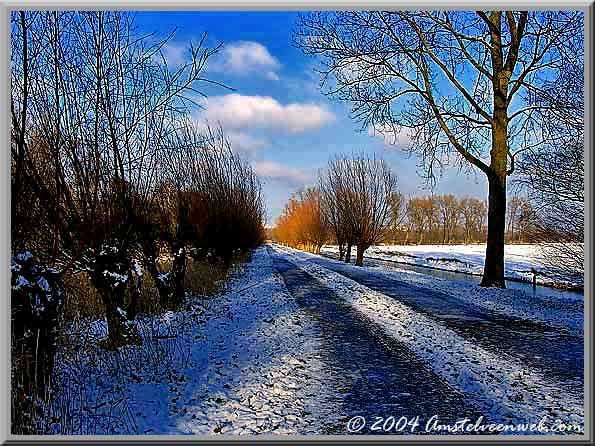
(295, 346)
(294, 358)
(370, 375)
(478, 352)
(555, 348)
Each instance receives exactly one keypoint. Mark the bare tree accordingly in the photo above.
(303, 223)
(218, 197)
(519, 217)
(397, 215)
(453, 81)
(97, 96)
(512, 216)
(336, 200)
(449, 213)
(365, 186)
(417, 218)
(553, 174)
(318, 230)
(473, 212)
(332, 212)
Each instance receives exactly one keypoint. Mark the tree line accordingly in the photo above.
(312, 218)
(446, 219)
(109, 172)
(474, 84)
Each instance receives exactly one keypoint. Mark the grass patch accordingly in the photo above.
(83, 301)
(204, 278)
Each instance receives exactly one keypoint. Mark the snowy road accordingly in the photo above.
(300, 344)
(513, 366)
(370, 375)
(537, 344)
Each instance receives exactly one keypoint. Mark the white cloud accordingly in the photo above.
(244, 58)
(271, 75)
(396, 138)
(235, 111)
(278, 172)
(175, 53)
(243, 142)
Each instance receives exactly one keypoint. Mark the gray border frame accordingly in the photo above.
(7, 5)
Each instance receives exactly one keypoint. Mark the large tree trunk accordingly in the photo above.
(170, 285)
(164, 290)
(348, 253)
(35, 306)
(111, 275)
(493, 272)
(178, 273)
(359, 257)
(341, 251)
(121, 329)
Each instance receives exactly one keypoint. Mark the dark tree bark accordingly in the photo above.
(348, 253)
(111, 275)
(35, 306)
(178, 273)
(359, 257)
(493, 275)
(341, 251)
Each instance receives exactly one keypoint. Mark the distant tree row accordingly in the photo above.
(445, 219)
(309, 221)
(302, 224)
(437, 219)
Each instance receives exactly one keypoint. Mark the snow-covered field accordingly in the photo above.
(519, 260)
(565, 314)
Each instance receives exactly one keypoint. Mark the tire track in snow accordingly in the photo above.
(505, 390)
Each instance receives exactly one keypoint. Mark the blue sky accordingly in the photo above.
(276, 115)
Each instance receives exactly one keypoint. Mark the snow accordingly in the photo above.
(243, 362)
(565, 313)
(136, 265)
(20, 282)
(43, 284)
(502, 387)
(24, 256)
(519, 260)
(118, 278)
(108, 249)
(247, 361)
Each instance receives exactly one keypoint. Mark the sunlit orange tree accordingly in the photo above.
(302, 224)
